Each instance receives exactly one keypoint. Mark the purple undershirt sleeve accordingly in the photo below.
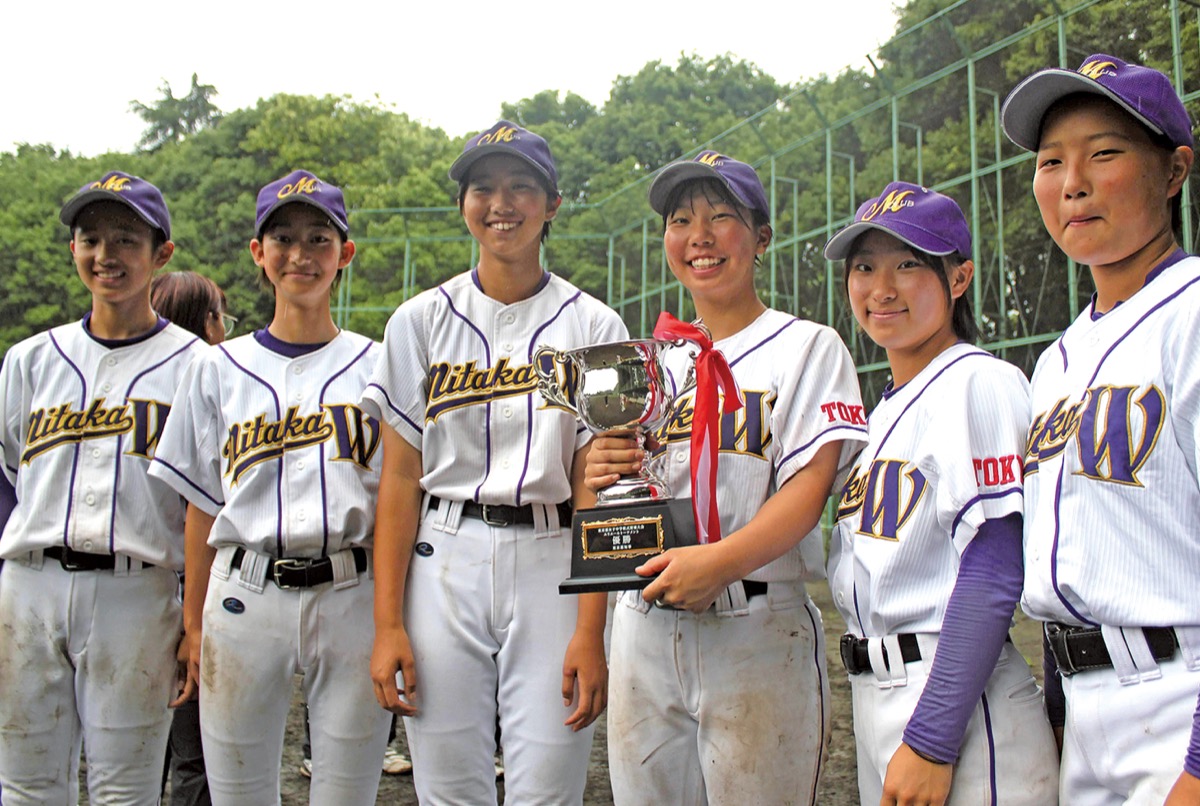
(990, 575)
(1191, 764)
(8, 500)
(1056, 700)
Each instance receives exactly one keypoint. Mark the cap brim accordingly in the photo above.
(299, 198)
(839, 245)
(458, 170)
(1026, 106)
(73, 207)
(675, 175)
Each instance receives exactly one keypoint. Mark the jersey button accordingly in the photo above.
(300, 465)
(89, 499)
(507, 346)
(96, 452)
(87, 545)
(297, 370)
(681, 457)
(507, 411)
(509, 318)
(302, 515)
(106, 387)
(112, 362)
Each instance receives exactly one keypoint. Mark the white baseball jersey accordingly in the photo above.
(457, 376)
(944, 455)
(81, 423)
(1111, 487)
(800, 392)
(287, 462)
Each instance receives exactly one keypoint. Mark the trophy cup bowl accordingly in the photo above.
(617, 386)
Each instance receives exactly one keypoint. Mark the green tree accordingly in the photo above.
(170, 119)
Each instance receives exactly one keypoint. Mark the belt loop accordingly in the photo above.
(1189, 646)
(732, 601)
(33, 560)
(449, 516)
(545, 521)
(223, 562)
(1130, 654)
(345, 575)
(253, 573)
(889, 673)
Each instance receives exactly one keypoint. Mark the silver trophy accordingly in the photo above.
(618, 386)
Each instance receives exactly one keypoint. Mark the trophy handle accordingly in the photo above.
(545, 363)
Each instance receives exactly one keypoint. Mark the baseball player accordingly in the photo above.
(475, 504)
(925, 561)
(197, 304)
(89, 614)
(730, 704)
(1112, 562)
(280, 468)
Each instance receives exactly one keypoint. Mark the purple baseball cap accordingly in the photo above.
(132, 191)
(306, 188)
(1143, 92)
(507, 138)
(922, 218)
(738, 177)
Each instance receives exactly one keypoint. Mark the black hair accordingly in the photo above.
(715, 192)
(157, 236)
(551, 193)
(962, 318)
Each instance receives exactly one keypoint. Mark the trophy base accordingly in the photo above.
(609, 542)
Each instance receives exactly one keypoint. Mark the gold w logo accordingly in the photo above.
(1094, 70)
(892, 203)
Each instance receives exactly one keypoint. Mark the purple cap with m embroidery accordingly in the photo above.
(1143, 92)
(738, 177)
(305, 188)
(922, 218)
(507, 138)
(132, 191)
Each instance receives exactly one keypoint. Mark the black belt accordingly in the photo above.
(297, 572)
(753, 588)
(506, 515)
(72, 560)
(857, 659)
(1081, 649)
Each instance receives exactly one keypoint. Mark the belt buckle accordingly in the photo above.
(1056, 638)
(849, 642)
(68, 564)
(284, 565)
(485, 512)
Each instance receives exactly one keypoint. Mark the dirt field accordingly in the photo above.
(838, 787)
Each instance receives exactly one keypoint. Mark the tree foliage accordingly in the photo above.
(170, 119)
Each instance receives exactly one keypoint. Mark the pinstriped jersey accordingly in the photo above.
(944, 455)
(1111, 486)
(276, 447)
(457, 382)
(81, 422)
(801, 392)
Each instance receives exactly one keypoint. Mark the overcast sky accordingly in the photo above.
(69, 69)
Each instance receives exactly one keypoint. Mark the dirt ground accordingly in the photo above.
(838, 785)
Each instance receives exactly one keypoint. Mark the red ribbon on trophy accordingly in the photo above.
(712, 374)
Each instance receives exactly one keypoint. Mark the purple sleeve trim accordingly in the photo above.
(973, 631)
(1192, 762)
(1056, 699)
(190, 484)
(849, 432)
